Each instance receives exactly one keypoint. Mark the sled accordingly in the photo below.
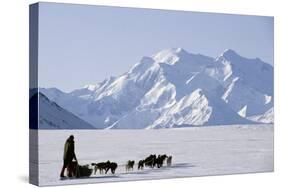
(83, 171)
(74, 170)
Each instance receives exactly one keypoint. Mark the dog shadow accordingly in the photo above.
(163, 168)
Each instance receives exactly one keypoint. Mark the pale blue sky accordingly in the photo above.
(80, 44)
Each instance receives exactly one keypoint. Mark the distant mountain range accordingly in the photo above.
(173, 88)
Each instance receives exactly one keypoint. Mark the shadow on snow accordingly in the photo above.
(144, 171)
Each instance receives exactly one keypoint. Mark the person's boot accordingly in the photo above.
(62, 176)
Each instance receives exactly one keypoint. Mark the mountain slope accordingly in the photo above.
(248, 82)
(267, 117)
(52, 116)
(198, 108)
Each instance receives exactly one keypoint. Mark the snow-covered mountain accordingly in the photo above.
(175, 88)
(267, 117)
(248, 83)
(52, 116)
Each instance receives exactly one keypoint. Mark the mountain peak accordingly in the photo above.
(229, 53)
(147, 60)
(169, 56)
(179, 50)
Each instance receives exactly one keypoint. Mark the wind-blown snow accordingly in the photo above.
(162, 91)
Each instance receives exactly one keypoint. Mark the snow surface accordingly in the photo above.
(164, 89)
(196, 151)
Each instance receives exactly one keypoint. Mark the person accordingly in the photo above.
(68, 155)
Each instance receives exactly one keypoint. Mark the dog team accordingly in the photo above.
(150, 161)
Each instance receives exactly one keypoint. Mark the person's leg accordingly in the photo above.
(62, 171)
(70, 168)
(63, 168)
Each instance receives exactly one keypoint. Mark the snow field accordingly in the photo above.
(196, 151)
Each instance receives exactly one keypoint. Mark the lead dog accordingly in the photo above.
(169, 161)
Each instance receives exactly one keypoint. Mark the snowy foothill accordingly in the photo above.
(196, 151)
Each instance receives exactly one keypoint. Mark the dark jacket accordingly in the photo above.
(69, 153)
